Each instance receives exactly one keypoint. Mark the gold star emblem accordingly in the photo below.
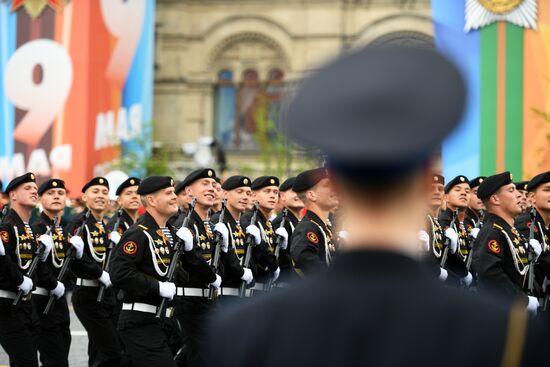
(516, 241)
(158, 241)
(94, 233)
(202, 237)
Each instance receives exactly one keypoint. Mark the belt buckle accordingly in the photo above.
(170, 312)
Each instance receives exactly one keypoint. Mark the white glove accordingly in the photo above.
(467, 280)
(537, 248)
(115, 237)
(452, 236)
(424, 238)
(47, 242)
(167, 290)
(2, 249)
(533, 304)
(59, 290)
(105, 278)
(283, 243)
(26, 285)
(187, 237)
(247, 276)
(255, 232)
(276, 274)
(78, 245)
(443, 274)
(216, 283)
(474, 232)
(224, 232)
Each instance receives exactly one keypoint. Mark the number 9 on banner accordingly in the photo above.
(41, 99)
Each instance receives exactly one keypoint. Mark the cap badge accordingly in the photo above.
(54, 184)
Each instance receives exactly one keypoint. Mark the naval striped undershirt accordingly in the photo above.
(168, 235)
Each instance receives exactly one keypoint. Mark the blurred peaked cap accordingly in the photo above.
(379, 107)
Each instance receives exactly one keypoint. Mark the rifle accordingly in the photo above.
(101, 292)
(249, 240)
(5, 210)
(447, 243)
(34, 264)
(178, 249)
(69, 255)
(278, 248)
(216, 259)
(531, 274)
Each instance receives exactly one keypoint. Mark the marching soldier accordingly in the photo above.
(501, 252)
(237, 193)
(18, 248)
(475, 210)
(193, 304)
(290, 202)
(522, 189)
(365, 111)
(99, 319)
(129, 202)
(312, 246)
(265, 190)
(457, 197)
(139, 267)
(432, 237)
(539, 195)
(53, 334)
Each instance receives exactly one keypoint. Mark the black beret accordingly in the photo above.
(307, 179)
(235, 182)
(194, 176)
(362, 110)
(438, 179)
(476, 181)
(460, 179)
(53, 183)
(129, 182)
(154, 183)
(264, 181)
(522, 185)
(27, 177)
(102, 181)
(287, 185)
(492, 183)
(538, 180)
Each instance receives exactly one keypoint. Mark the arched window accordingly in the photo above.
(247, 110)
(224, 108)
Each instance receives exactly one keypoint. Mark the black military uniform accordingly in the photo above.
(16, 324)
(541, 232)
(312, 247)
(53, 332)
(375, 308)
(192, 304)
(288, 274)
(99, 319)
(139, 263)
(456, 262)
(263, 254)
(233, 260)
(472, 218)
(501, 253)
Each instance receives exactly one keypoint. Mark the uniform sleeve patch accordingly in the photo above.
(5, 236)
(312, 237)
(129, 248)
(494, 247)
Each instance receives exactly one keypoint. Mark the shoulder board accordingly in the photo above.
(497, 226)
(142, 227)
(312, 221)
